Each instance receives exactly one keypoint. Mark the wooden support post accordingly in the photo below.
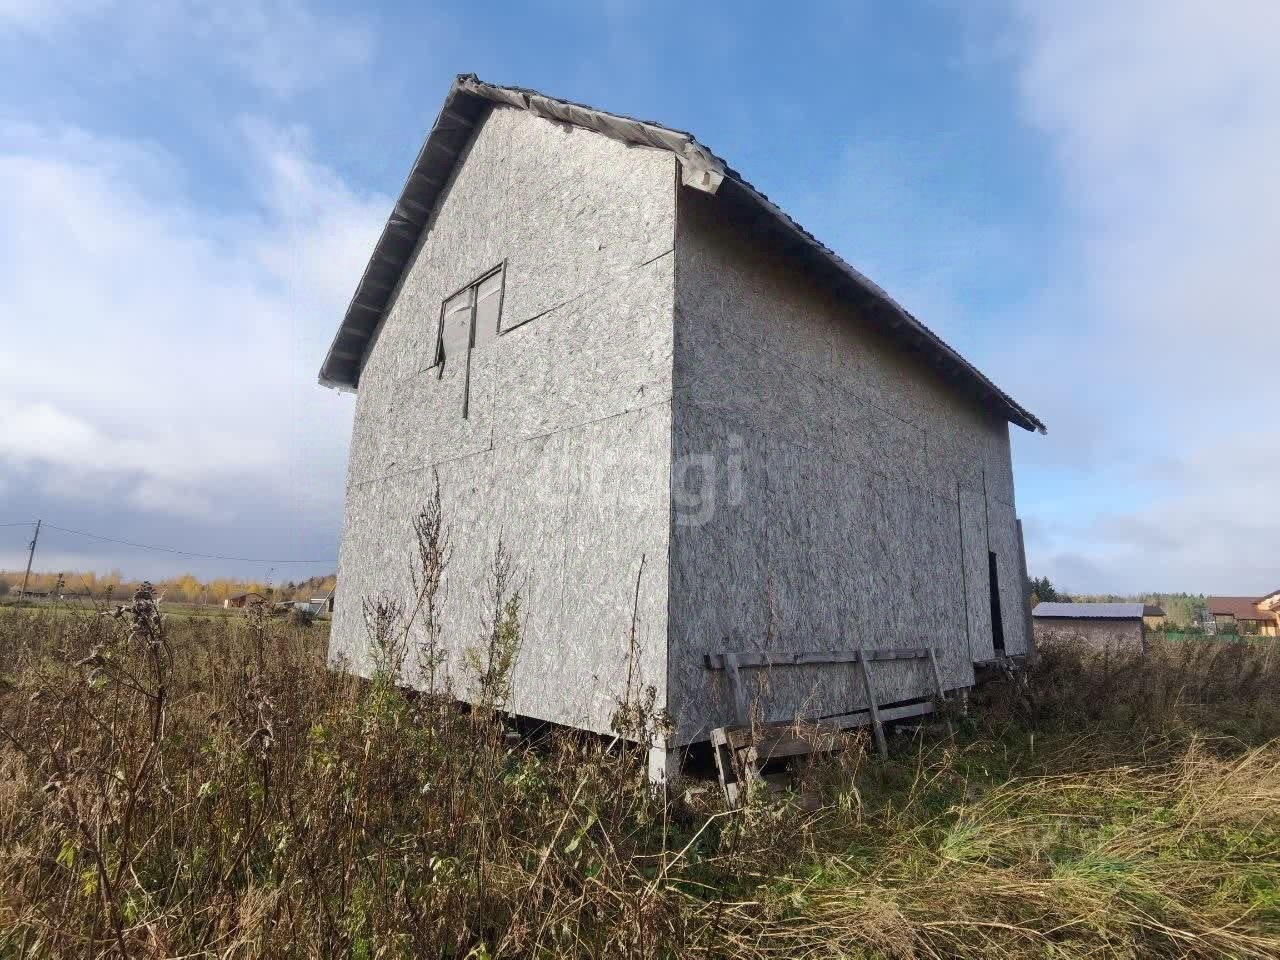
(937, 679)
(740, 713)
(725, 767)
(664, 764)
(877, 727)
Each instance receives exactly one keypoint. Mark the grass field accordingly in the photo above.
(196, 787)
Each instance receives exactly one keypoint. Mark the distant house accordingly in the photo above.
(1153, 617)
(322, 604)
(242, 600)
(1116, 625)
(1249, 615)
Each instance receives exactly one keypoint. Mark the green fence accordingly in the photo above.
(1179, 635)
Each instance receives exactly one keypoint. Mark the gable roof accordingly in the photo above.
(1089, 611)
(1152, 610)
(1241, 608)
(468, 101)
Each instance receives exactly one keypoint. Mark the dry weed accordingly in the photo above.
(212, 789)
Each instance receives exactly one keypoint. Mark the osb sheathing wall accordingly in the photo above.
(565, 451)
(855, 493)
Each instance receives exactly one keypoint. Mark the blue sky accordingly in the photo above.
(1080, 198)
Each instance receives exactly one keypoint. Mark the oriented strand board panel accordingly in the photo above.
(851, 532)
(576, 511)
(753, 331)
(567, 210)
(974, 547)
(585, 226)
(565, 451)
(602, 354)
(777, 548)
(1005, 544)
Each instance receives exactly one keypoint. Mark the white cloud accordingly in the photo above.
(1213, 531)
(164, 354)
(43, 15)
(280, 46)
(284, 46)
(1157, 347)
(165, 303)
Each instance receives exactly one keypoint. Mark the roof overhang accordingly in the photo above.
(1063, 610)
(465, 106)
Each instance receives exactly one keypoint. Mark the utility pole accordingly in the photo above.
(31, 553)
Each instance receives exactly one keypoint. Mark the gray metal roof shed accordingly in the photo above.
(1088, 611)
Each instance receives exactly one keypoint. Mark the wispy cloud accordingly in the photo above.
(186, 339)
(42, 16)
(176, 258)
(279, 46)
(888, 208)
(1153, 360)
(284, 46)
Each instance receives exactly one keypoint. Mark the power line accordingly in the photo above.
(174, 550)
(20, 523)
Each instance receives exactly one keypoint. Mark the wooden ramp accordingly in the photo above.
(742, 750)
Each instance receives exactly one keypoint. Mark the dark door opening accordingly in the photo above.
(997, 625)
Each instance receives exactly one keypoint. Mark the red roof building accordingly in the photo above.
(1250, 615)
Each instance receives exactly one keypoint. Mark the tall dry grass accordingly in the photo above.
(211, 789)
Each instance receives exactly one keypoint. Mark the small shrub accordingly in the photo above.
(300, 617)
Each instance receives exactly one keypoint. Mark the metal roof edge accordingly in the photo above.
(1090, 610)
(395, 220)
(701, 169)
(1016, 413)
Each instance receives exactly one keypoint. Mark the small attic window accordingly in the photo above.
(471, 317)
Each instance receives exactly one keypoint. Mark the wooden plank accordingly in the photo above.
(724, 766)
(741, 752)
(718, 661)
(797, 745)
(862, 718)
(877, 727)
(736, 688)
(778, 740)
(937, 680)
(738, 738)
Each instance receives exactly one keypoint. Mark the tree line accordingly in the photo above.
(1181, 609)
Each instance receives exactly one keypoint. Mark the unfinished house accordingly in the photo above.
(671, 403)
